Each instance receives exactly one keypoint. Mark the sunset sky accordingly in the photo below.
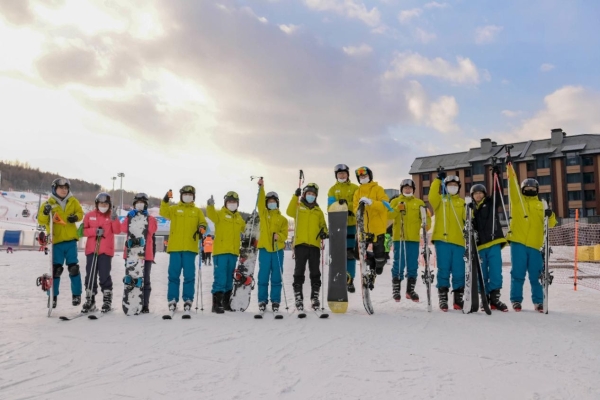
(209, 93)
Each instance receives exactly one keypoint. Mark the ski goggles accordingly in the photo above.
(311, 187)
(362, 171)
(452, 178)
(61, 182)
(272, 195)
(103, 198)
(188, 189)
(141, 196)
(407, 182)
(232, 195)
(341, 167)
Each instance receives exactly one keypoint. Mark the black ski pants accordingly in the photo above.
(311, 254)
(103, 267)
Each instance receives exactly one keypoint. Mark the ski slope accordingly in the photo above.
(401, 351)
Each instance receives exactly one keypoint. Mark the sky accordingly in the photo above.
(210, 93)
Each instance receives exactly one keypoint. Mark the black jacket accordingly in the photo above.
(483, 217)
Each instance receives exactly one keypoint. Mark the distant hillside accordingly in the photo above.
(20, 176)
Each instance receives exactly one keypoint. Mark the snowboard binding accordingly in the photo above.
(130, 283)
(45, 281)
(136, 242)
(241, 277)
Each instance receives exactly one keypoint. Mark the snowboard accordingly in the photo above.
(243, 276)
(133, 296)
(337, 292)
(367, 275)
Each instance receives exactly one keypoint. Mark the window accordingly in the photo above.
(545, 180)
(574, 178)
(530, 166)
(426, 191)
(468, 187)
(590, 212)
(425, 177)
(542, 161)
(588, 177)
(467, 173)
(545, 196)
(572, 212)
(478, 168)
(572, 159)
(587, 161)
(505, 183)
(574, 195)
(589, 195)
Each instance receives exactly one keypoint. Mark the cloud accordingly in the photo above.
(439, 114)
(361, 50)
(413, 64)
(289, 29)
(253, 14)
(17, 12)
(511, 114)
(406, 15)
(435, 4)
(348, 8)
(423, 36)
(546, 67)
(487, 34)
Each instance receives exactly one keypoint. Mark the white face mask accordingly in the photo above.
(407, 194)
(187, 198)
(232, 206)
(140, 206)
(341, 180)
(103, 209)
(364, 180)
(452, 189)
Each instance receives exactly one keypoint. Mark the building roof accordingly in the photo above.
(522, 151)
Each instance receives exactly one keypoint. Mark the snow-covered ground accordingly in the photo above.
(401, 351)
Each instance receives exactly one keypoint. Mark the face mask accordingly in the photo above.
(187, 198)
(310, 198)
(408, 194)
(452, 189)
(530, 192)
(140, 206)
(232, 206)
(364, 180)
(341, 180)
(272, 206)
(103, 209)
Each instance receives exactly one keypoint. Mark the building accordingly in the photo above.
(566, 167)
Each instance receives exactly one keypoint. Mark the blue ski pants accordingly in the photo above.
(450, 261)
(270, 266)
(350, 245)
(181, 261)
(400, 261)
(223, 272)
(491, 267)
(66, 253)
(525, 260)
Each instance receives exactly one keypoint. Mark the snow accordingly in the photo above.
(400, 351)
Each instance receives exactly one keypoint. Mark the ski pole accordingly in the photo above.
(282, 284)
(444, 203)
(300, 182)
(199, 284)
(402, 215)
(322, 273)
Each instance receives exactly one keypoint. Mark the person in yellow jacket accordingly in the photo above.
(187, 226)
(343, 192)
(376, 206)
(271, 242)
(406, 213)
(448, 239)
(310, 230)
(526, 238)
(68, 212)
(229, 227)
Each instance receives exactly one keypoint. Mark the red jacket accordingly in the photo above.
(152, 227)
(93, 220)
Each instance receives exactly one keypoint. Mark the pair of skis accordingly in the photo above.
(545, 276)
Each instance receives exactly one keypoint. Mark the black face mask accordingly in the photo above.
(530, 192)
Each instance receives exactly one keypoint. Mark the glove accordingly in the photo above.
(211, 201)
(366, 201)
(441, 174)
(496, 170)
(113, 216)
(342, 201)
(47, 209)
(99, 232)
(323, 235)
(167, 196)
(401, 207)
(548, 213)
(350, 213)
(201, 229)
(298, 192)
(72, 218)
(144, 212)
(261, 182)
(132, 213)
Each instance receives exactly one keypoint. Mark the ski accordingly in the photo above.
(64, 318)
(367, 276)
(186, 315)
(301, 313)
(170, 315)
(259, 315)
(99, 315)
(485, 304)
(277, 315)
(545, 276)
(320, 313)
(427, 275)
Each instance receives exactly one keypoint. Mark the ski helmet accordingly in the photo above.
(231, 196)
(103, 197)
(452, 178)
(478, 188)
(272, 195)
(364, 171)
(530, 182)
(311, 187)
(143, 197)
(60, 182)
(407, 182)
(341, 168)
(187, 189)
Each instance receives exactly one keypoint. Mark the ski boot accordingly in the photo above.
(350, 282)
(539, 307)
(495, 303)
(172, 305)
(76, 300)
(314, 298)
(106, 301)
(350, 254)
(443, 298)
(89, 305)
(54, 301)
(187, 305)
(396, 284)
(458, 298)
(274, 306)
(516, 305)
(369, 279)
(410, 290)
(299, 297)
(217, 306)
(227, 300)
(145, 310)
(262, 307)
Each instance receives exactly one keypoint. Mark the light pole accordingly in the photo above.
(114, 178)
(121, 175)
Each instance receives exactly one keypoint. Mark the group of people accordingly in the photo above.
(188, 233)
